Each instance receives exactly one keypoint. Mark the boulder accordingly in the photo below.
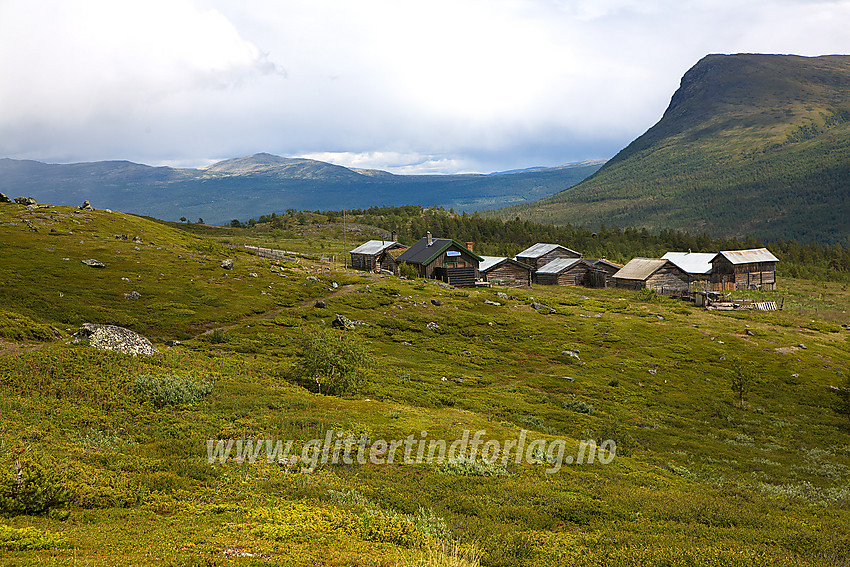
(432, 326)
(110, 337)
(489, 302)
(540, 307)
(122, 237)
(86, 206)
(4, 198)
(132, 295)
(342, 322)
(25, 201)
(92, 263)
(320, 304)
(227, 264)
(436, 302)
(135, 238)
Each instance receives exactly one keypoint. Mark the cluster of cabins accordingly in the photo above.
(457, 264)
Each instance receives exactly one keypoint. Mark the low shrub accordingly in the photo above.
(171, 389)
(579, 406)
(29, 538)
(26, 487)
(471, 467)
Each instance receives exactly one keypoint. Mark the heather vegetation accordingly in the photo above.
(104, 456)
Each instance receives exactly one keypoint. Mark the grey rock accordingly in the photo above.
(488, 302)
(342, 322)
(659, 317)
(110, 337)
(312, 279)
(334, 285)
(26, 201)
(66, 259)
(4, 198)
(86, 206)
(122, 237)
(137, 239)
(457, 380)
(227, 264)
(569, 379)
(320, 304)
(133, 295)
(92, 263)
(571, 354)
(653, 371)
(432, 326)
(802, 346)
(436, 302)
(750, 333)
(172, 342)
(540, 307)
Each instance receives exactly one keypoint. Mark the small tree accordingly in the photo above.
(200, 220)
(182, 219)
(332, 359)
(743, 377)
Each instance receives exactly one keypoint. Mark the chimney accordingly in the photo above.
(430, 239)
(469, 246)
(395, 236)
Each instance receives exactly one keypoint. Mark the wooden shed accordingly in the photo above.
(696, 264)
(744, 269)
(600, 272)
(541, 254)
(562, 271)
(367, 256)
(443, 259)
(657, 274)
(499, 270)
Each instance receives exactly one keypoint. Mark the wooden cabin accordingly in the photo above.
(744, 269)
(443, 259)
(562, 271)
(389, 259)
(368, 255)
(696, 264)
(657, 274)
(541, 254)
(600, 272)
(502, 271)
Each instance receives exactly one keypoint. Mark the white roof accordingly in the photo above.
(748, 256)
(691, 262)
(489, 262)
(540, 249)
(558, 265)
(374, 247)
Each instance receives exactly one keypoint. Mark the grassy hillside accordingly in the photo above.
(99, 467)
(246, 187)
(750, 145)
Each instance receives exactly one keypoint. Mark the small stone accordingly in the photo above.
(569, 379)
(802, 346)
(172, 343)
(571, 353)
(659, 317)
(253, 275)
(132, 295)
(125, 279)
(320, 304)
(66, 259)
(432, 326)
(137, 239)
(488, 302)
(750, 333)
(122, 237)
(334, 285)
(227, 264)
(653, 371)
(436, 302)
(92, 263)
(342, 322)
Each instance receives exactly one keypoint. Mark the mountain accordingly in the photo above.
(249, 186)
(750, 144)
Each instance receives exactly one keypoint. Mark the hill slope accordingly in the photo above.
(750, 144)
(259, 184)
(104, 457)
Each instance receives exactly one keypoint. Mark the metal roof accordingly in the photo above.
(594, 262)
(423, 253)
(749, 256)
(540, 249)
(375, 247)
(491, 262)
(640, 268)
(558, 265)
(692, 262)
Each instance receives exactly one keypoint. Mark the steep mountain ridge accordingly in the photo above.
(750, 144)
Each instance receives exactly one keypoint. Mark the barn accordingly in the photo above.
(443, 259)
(541, 254)
(562, 271)
(744, 269)
(600, 272)
(696, 264)
(657, 274)
(368, 255)
(499, 270)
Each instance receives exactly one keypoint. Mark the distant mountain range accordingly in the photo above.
(250, 186)
(750, 144)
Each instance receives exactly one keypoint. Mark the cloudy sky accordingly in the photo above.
(441, 86)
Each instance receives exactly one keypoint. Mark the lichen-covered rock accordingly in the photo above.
(227, 264)
(342, 322)
(25, 201)
(86, 206)
(92, 263)
(110, 337)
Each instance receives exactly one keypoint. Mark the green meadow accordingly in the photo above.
(104, 456)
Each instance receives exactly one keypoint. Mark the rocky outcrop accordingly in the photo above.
(25, 201)
(342, 322)
(4, 198)
(110, 337)
(86, 206)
